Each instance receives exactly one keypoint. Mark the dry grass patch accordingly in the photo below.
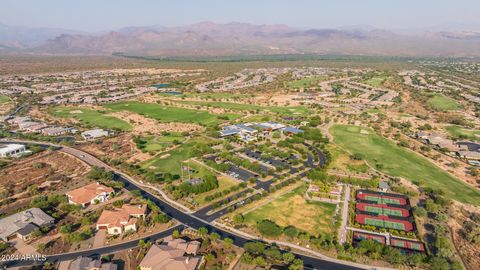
(291, 209)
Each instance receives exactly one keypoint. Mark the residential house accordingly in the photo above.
(469, 155)
(121, 220)
(56, 131)
(87, 263)
(27, 125)
(23, 224)
(89, 194)
(36, 128)
(174, 255)
(94, 134)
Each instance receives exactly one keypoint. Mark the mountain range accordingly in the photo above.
(212, 39)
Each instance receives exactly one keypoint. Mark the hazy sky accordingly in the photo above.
(98, 15)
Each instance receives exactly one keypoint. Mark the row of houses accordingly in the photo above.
(96, 96)
(26, 124)
(243, 79)
(170, 254)
(466, 150)
(251, 131)
(116, 221)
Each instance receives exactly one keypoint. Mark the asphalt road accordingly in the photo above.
(187, 219)
(98, 251)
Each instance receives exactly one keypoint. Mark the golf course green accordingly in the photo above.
(400, 162)
(170, 114)
(91, 118)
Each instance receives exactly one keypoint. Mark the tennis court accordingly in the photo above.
(383, 200)
(384, 224)
(384, 211)
(394, 225)
(374, 222)
(416, 246)
(360, 237)
(407, 244)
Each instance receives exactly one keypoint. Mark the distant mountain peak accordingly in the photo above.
(236, 38)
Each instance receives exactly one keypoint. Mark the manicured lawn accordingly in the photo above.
(170, 114)
(460, 132)
(376, 81)
(442, 103)
(398, 161)
(197, 170)
(217, 95)
(306, 82)
(223, 184)
(156, 143)
(291, 110)
(173, 161)
(291, 209)
(91, 118)
(4, 99)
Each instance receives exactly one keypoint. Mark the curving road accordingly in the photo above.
(177, 213)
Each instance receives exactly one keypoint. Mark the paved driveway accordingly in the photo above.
(99, 239)
(24, 248)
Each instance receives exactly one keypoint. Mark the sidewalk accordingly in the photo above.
(342, 235)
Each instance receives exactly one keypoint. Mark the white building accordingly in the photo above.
(94, 134)
(12, 150)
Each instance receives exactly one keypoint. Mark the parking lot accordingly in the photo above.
(277, 163)
(240, 173)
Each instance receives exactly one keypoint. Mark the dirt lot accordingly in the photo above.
(4, 108)
(118, 147)
(49, 171)
(468, 251)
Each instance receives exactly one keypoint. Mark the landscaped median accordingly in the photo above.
(396, 161)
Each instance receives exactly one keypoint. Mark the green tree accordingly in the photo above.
(202, 231)
(214, 236)
(420, 211)
(254, 247)
(41, 247)
(291, 232)
(288, 257)
(297, 264)
(209, 257)
(260, 261)
(273, 254)
(437, 263)
(269, 228)
(228, 242)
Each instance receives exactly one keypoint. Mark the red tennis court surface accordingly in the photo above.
(359, 236)
(400, 243)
